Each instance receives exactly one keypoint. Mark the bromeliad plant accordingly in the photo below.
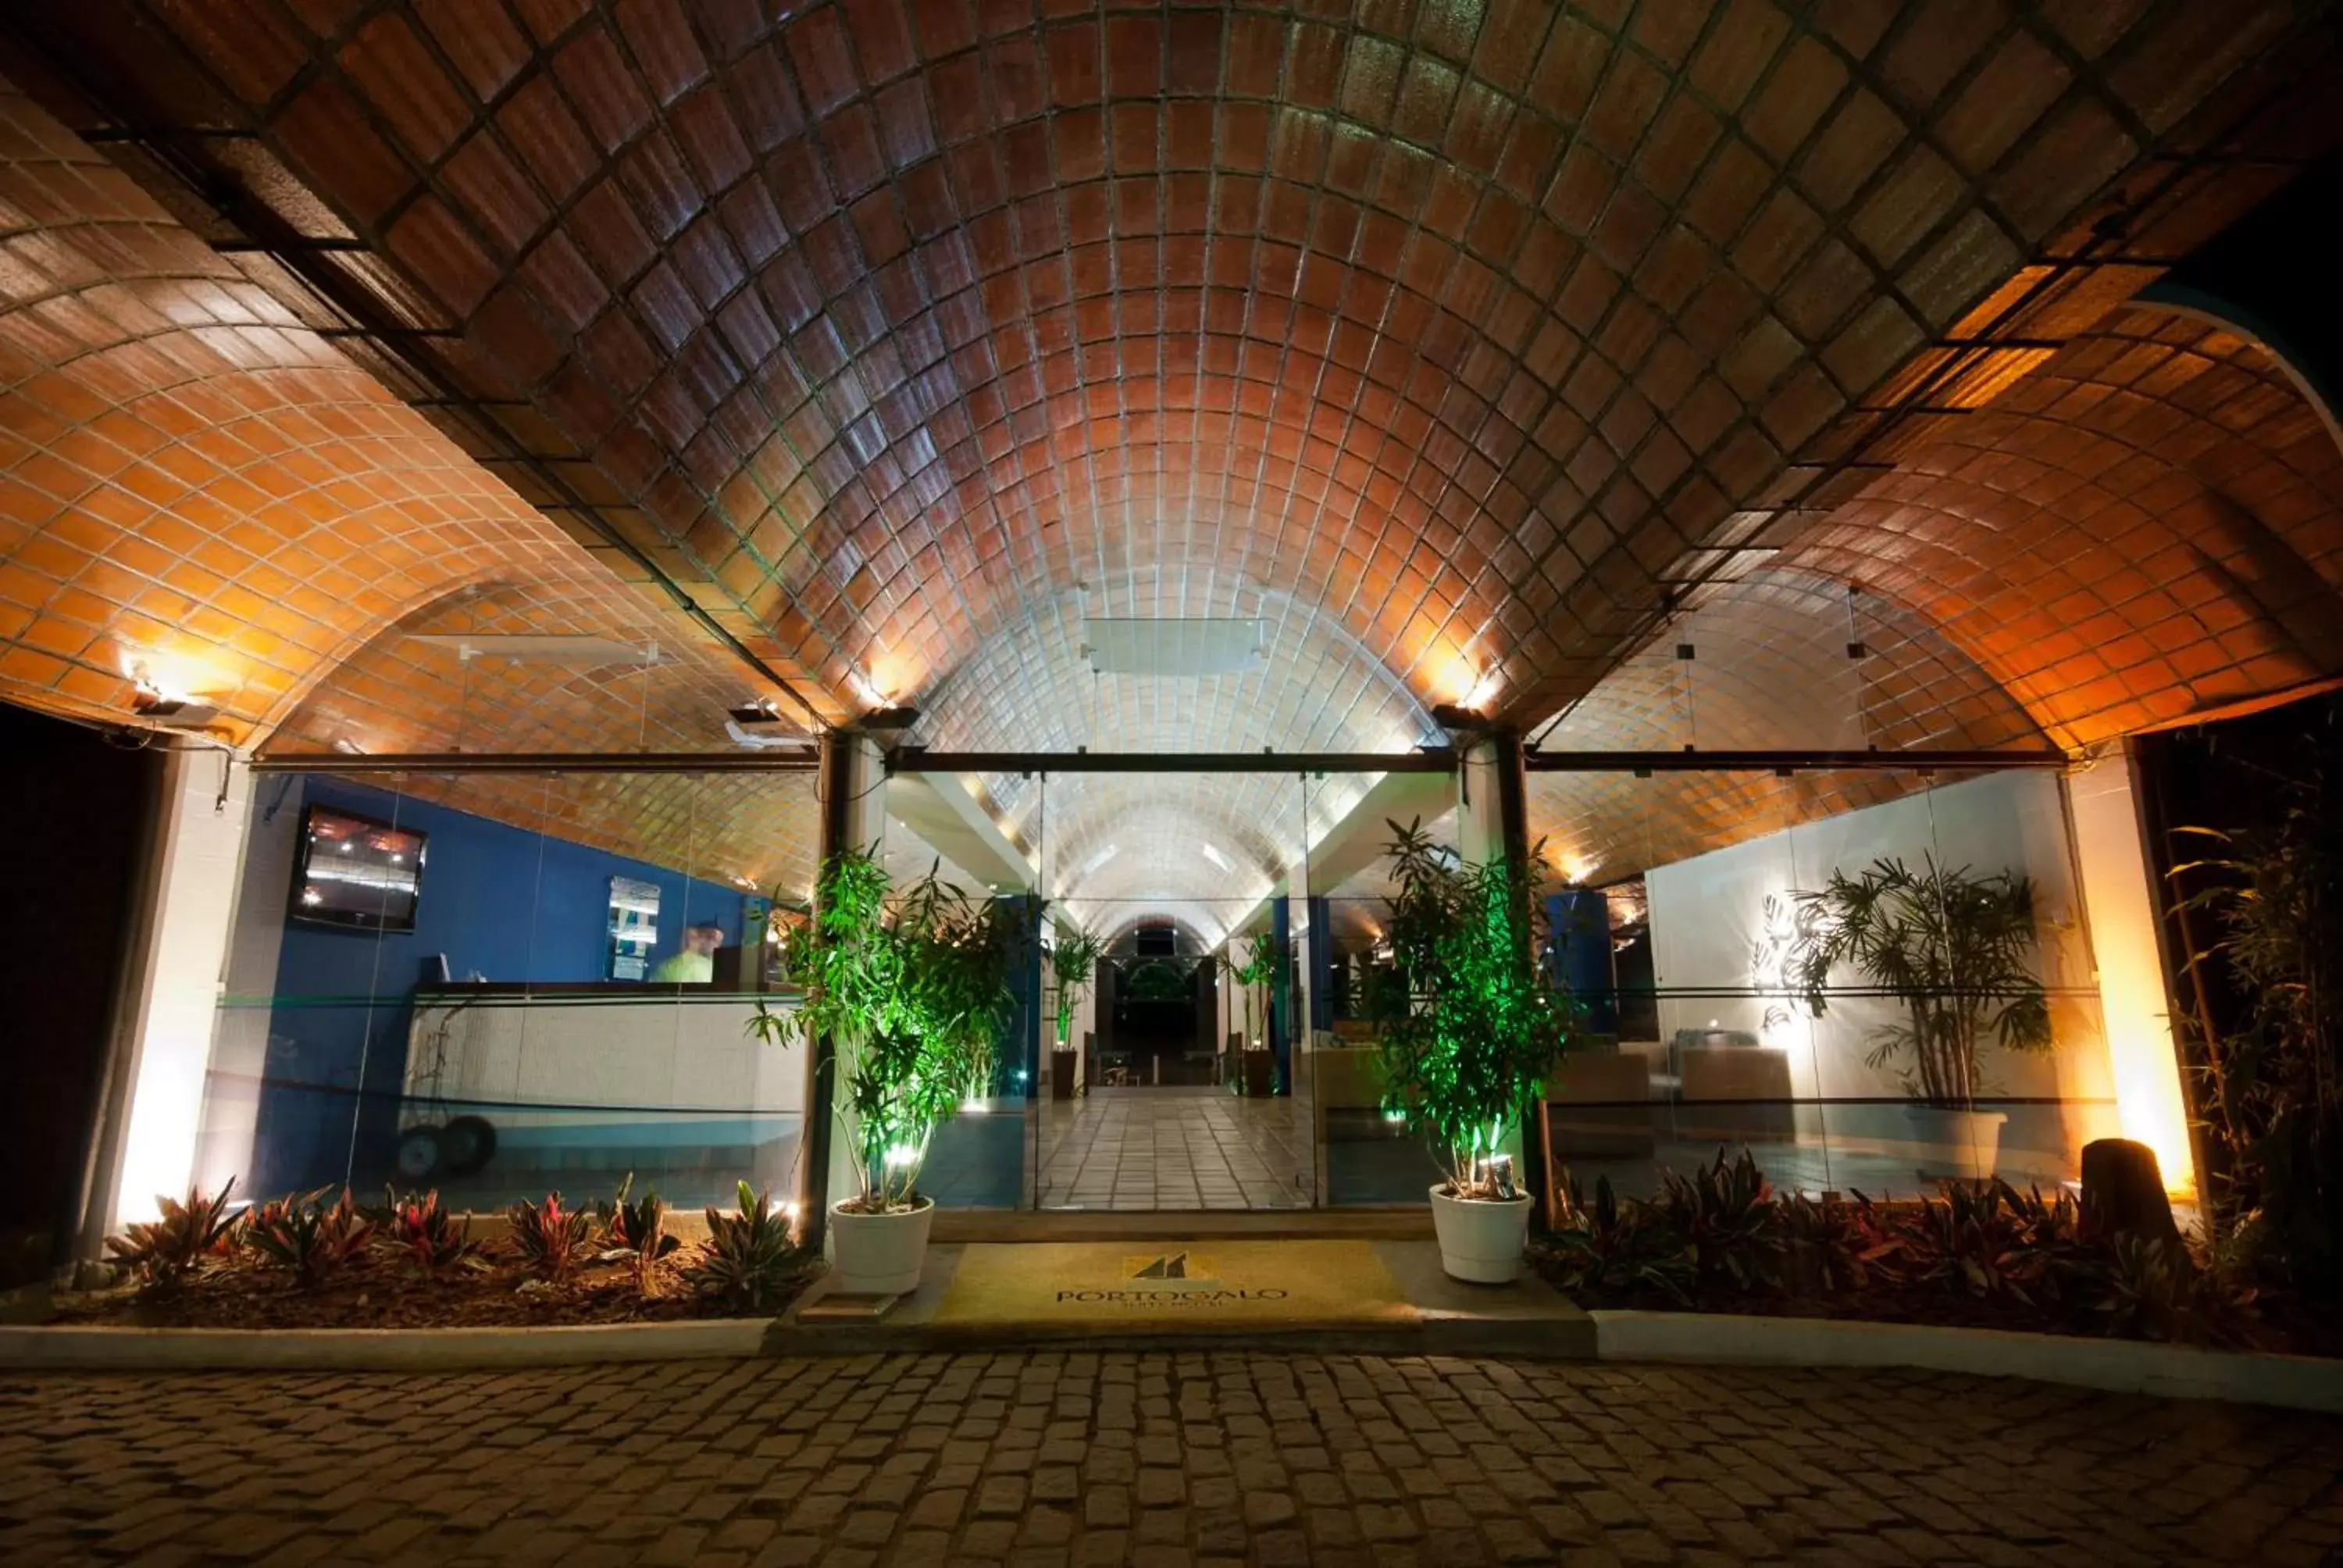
(314, 1239)
(165, 1251)
(635, 1231)
(1469, 1027)
(1073, 965)
(910, 987)
(423, 1232)
(552, 1240)
(1953, 948)
(750, 1260)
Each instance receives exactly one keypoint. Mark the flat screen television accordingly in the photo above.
(355, 873)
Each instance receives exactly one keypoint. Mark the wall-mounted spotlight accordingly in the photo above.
(1456, 716)
(171, 709)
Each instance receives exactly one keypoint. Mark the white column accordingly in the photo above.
(1480, 822)
(171, 1015)
(2121, 892)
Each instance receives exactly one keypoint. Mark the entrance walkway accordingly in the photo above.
(1102, 1460)
(1173, 1148)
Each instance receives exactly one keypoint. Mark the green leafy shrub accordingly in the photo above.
(1725, 1216)
(2147, 1288)
(749, 1261)
(1831, 1244)
(162, 1252)
(1624, 1248)
(1989, 1239)
(552, 1240)
(2264, 1032)
(423, 1232)
(314, 1239)
(910, 989)
(1468, 1027)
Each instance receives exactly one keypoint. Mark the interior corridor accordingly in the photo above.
(1171, 1149)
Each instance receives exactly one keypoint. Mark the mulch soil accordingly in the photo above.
(380, 1291)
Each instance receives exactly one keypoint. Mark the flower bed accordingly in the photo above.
(1975, 1256)
(308, 1263)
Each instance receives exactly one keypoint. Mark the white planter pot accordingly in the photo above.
(1964, 1144)
(880, 1254)
(1481, 1242)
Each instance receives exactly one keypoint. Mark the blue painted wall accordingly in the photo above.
(1322, 962)
(1578, 922)
(498, 901)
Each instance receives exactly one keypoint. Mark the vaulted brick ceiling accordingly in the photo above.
(1456, 340)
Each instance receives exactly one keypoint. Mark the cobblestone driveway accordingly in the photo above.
(1149, 1459)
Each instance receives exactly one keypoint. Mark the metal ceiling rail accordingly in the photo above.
(1690, 761)
(918, 760)
(544, 763)
(915, 759)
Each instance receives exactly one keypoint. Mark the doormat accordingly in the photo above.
(1134, 1282)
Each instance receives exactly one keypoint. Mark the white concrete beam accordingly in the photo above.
(1358, 839)
(939, 808)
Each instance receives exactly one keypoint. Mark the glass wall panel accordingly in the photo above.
(1366, 1156)
(1951, 1031)
(1183, 1083)
(562, 996)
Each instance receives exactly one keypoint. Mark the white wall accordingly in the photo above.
(1707, 921)
(199, 852)
(2120, 888)
(239, 1057)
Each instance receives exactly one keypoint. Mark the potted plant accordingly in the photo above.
(910, 989)
(1073, 964)
(1469, 1027)
(1955, 949)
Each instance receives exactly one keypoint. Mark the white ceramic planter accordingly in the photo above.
(880, 1254)
(1965, 1144)
(1480, 1243)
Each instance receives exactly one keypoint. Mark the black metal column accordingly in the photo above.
(837, 780)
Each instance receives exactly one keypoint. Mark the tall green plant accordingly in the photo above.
(1073, 965)
(911, 988)
(1468, 1026)
(1953, 948)
(2270, 1085)
(1258, 977)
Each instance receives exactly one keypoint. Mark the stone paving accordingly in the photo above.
(1147, 1459)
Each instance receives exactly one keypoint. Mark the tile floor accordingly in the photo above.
(1173, 1148)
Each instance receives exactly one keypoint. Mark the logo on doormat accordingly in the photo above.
(1159, 1279)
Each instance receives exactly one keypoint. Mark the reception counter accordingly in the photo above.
(587, 1082)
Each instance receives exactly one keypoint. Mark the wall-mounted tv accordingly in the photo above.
(355, 873)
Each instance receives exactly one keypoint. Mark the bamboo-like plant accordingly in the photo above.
(1073, 965)
(1956, 949)
(1263, 971)
(910, 989)
(2269, 1068)
(1468, 1026)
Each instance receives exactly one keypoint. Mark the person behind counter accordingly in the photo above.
(696, 964)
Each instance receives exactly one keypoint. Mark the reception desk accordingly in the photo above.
(585, 1083)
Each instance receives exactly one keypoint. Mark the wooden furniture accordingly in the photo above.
(1747, 1074)
(1615, 1088)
